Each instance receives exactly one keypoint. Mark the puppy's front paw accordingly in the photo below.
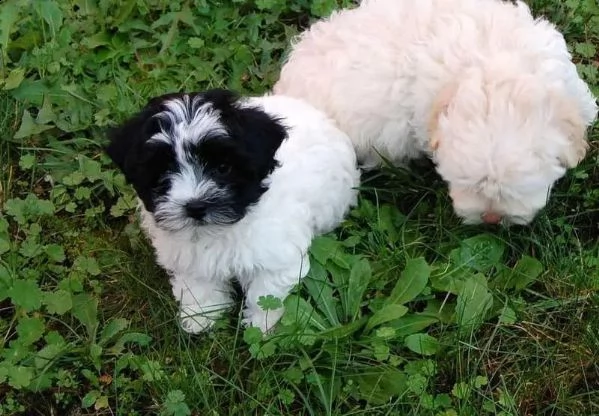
(194, 321)
(265, 320)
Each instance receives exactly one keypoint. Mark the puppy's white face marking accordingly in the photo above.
(189, 122)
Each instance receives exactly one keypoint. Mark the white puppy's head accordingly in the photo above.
(502, 140)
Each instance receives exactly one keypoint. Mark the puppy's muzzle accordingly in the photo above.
(491, 218)
(196, 209)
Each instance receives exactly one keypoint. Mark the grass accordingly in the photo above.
(405, 310)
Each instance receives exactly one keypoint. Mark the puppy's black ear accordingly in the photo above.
(260, 133)
(126, 140)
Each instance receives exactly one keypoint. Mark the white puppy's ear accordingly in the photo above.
(439, 109)
(572, 125)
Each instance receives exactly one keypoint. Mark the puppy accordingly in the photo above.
(234, 187)
(480, 86)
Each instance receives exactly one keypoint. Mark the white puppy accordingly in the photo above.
(234, 188)
(481, 86)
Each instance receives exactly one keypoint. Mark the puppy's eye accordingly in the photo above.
(223, 169)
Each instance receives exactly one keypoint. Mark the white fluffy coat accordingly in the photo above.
(267, 250)
(480, 86)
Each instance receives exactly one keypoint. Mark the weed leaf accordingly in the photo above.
(411, 283)
(524, 273)
(30, 330)
(379, 385)
(480, 253)
(29, 127)
(385, 314)
(474, 300)
(112, 329)
(9, 14)
(85, 309)
(26, 294)
(19, 376)
(422, 344)
(324, 248)
(359, 277)
(319, 288)
(410, 324)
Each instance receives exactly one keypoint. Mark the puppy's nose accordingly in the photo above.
(491, 218)
(196, 209)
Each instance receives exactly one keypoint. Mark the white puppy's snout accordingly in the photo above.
(490, 217)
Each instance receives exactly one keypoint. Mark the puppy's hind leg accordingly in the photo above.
(201, 301)
(274, 283)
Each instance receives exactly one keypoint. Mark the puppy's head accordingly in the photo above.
(197, 159)
(502, 142)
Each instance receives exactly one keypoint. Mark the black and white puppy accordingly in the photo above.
(234, 187)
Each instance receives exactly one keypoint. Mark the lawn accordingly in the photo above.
(405, 311)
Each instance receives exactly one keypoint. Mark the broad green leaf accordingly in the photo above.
(85, 309)
(90, 398)
(46, 114)
(585, 49)
(378, 385)
(461, 390)
(323, 248)
(138, 338)
(299, 312)
(26, 294)
(175, 405)
(30, 330)
(14, 79)
(413, 323)
(30, 248)
(19, 377)
(47, 354)
(473, 303)
(507, 316)
(262, 351)
(113, 328)
(3, 372)
(87, 264)
(385, 314)
(319, 287)
(101, 403)
(451, 282)
(58, 302)
(252, 335)
(343, 331)
(97, 40)
(55, 253)
(4, 245)
(422, 344)
(91, 169)
(29, 209)
(5, 282)
(380, 351)
(526, 272)
(10, 11)
(481, 253)
(417, 383)
(195, 43)
(27, 161)
(29, 127)
(411, 283)
(359, 277)
(51, 13)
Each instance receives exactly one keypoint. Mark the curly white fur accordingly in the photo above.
(481, 86)
(309, 194)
